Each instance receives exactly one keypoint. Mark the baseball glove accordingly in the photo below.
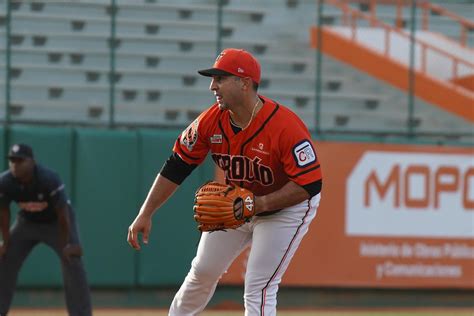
(220, 207)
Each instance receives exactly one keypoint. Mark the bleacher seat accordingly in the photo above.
(61, 64)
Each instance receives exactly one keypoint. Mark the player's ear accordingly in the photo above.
(247, 83)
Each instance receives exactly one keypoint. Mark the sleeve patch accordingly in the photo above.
(304, 154)
(55, 191)
(189, 136)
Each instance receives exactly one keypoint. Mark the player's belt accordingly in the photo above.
(268, 213)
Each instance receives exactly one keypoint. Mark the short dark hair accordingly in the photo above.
(254, 84)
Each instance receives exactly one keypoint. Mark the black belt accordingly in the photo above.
(267, 213)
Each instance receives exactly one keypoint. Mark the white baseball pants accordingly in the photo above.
(273, 239)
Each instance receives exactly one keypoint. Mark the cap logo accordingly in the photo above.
(240, 70)
(220, 56)
(15, 148)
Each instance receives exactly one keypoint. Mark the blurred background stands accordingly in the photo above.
(61, 65)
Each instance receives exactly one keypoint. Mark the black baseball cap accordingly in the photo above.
(20, 151)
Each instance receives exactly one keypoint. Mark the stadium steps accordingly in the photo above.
(338, 41)
(130, 43)
(139, 10)
(347, 95)
(148, 77)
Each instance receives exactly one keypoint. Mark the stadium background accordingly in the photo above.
(101, 89)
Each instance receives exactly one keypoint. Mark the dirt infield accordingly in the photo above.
(155, 312)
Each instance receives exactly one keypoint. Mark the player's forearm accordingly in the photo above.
(289, 195)
(5, 225)
(161, 190)
(63, 219)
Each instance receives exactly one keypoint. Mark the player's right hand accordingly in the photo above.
(3, 249)
(141, 225)
(71, 251)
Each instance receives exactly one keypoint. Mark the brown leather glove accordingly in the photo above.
(219, 207)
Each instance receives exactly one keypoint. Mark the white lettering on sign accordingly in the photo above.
(411, 194)
(389, 269)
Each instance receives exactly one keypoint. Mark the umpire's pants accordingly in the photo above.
(24, 235)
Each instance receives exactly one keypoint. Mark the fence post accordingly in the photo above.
(411, 72)
(219, 27)
(6, 133)
(112, 44)
(319, 57)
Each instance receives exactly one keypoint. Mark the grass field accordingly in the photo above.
(146, 312)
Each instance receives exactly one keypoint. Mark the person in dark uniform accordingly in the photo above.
(45, 216)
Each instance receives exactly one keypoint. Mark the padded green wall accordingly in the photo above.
(172, 244)
(107, 175)
(106, 193)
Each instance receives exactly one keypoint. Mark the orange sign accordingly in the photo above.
(390, 216)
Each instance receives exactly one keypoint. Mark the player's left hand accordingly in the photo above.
(72, 250)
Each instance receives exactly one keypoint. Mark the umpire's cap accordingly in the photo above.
(20, 151)
(237, 62)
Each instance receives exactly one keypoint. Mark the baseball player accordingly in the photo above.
(45, 216)
(261, 146)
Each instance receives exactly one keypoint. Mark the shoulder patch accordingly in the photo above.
(216, 139)
(304, 154)
(189, 136)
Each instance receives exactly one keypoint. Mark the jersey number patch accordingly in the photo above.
(304, 153)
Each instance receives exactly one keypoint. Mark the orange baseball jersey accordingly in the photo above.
(275, 148)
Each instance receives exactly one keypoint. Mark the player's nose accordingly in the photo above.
(213, 85)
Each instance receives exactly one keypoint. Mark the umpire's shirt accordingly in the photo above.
(36, 199)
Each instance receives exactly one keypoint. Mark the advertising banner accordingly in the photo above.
(390, 216)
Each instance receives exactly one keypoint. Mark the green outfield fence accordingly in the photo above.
(107, 175)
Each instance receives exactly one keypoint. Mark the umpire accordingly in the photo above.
(45, 216)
